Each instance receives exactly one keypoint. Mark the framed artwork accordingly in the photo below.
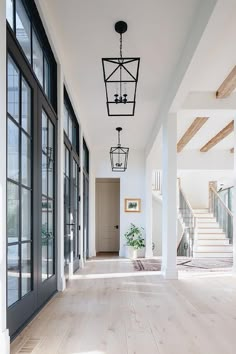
(132, 205)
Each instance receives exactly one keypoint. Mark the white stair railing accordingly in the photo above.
(221, 212)
(186, 244)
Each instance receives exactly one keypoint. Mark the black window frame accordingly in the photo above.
(37, 26)
(75, 125)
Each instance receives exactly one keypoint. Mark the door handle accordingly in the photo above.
(116, 227)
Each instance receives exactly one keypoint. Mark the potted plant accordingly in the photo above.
(134, 242)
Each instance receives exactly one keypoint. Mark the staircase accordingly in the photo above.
(210, 240)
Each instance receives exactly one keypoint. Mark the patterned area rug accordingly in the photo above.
(187, 264)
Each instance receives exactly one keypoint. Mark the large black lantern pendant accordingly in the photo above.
(121, 78)
(119, 155)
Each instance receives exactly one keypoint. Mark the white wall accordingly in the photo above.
(132, 185)
(195, 184)
(157, 224)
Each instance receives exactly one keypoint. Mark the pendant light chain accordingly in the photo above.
(118, 138)
(121, 45)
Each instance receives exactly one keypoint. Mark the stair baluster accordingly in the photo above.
(221, 212)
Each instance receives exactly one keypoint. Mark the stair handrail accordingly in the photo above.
(187, 240)
(221, 212)
(221, 201)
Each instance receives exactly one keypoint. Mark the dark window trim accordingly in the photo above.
(75, 124)
(86, 166)
(37, 26)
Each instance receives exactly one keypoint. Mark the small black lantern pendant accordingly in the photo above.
(119, 155)
(121, 77)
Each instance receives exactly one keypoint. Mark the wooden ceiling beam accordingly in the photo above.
(228, 85)
(190, 132)
(218, 137)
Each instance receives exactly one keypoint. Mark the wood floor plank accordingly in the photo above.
(109, 308)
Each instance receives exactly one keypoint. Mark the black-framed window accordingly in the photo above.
(25, 22)
(71, 126)
(85, 157)
(19, 183)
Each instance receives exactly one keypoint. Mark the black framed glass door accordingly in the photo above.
(31, 160)
(86, 215)
(75, 212)
(85, 200)
(47, 283)
(21, 106)
(71, 209)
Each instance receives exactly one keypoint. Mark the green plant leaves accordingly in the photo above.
(134, 237)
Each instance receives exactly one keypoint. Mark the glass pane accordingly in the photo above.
(67, 163)
(26, 214)
(13, 90)
(37, 59)
(46, 77)
(12, 212)
(25, 268)
(66, 120)
(50, 140)
(50, 218)
(44, 238)
(23, 29)
(13, 275)
(12, 151)
(44, 174)
(9, 12)
(51, 180)
(70, 129)
(26, 160)
(44, 260)
(26, 107)
(44, 132)
(50, 158)
(50, 257)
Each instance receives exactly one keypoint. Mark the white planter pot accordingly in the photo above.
(130, 252)
(141, 252)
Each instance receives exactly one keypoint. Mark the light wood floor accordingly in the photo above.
(110, 309)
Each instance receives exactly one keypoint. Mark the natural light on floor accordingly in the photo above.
(93, 352)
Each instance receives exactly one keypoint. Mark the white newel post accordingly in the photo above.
(169, 206)
(148, 192)
(81, 211)
(61, 283)
(234, 203)
(4, 334)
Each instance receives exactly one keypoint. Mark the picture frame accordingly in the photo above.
(132, 205)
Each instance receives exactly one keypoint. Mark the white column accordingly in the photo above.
(169, 206)
(234, 203)
(4, 334)
(148, 193)
(81, 188)
(61, 283)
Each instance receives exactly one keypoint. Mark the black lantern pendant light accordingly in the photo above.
(119, 155)
(120, 77)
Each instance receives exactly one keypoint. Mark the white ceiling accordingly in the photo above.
(216, 54)
(215, 123)
(157, 32)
